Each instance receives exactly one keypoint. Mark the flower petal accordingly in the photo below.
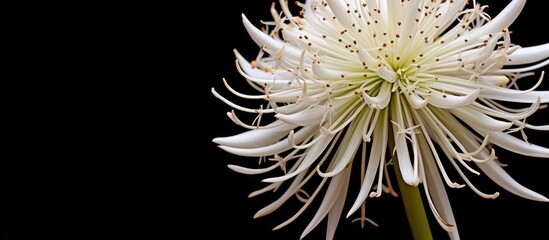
(503, 20)
(516, 145)
(336, 190)
(339, 9)
(494, 171)
(264, 40)
(257, 137)
(376, 157)
(347, 150)
(272, 149)
(312, 154)
(480, 120)
(527, 55)
(309, 117)
(381, 100)
(448, 101)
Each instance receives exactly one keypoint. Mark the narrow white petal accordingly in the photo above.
(338, 187)
(376, 157)
(313, 153)
(322, 73)
(386, 73)
(503, 20)
(381, 100)
(309, 10)
(527, 55)
(261, 78)
(448, 101)
(416, 101)
(262, 39)
(339, 9)
(309, 117)
(272, 149)
(494, 171)
(512, 95)
(366, 185)
(334, 216)
(401, 144)
(481, 120)
(308, 202)
(372, 4)
(408, 25)
(269, 188)
(389, 11)
(259, 37)
(514, 144)
(496, 80)
(292, 189)
(347, 150)
(450, 9)
(251, 171)
(257, 137)
(367, 58)
(246, 66)
(238, 107)
(439, 196)
(524, 69)
(404, 160)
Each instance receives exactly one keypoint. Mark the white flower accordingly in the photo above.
(350, 83)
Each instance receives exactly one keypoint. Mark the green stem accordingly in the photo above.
(413, 204)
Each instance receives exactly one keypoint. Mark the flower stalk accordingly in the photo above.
(413, 205)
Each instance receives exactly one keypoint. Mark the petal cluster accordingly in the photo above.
(425, 86)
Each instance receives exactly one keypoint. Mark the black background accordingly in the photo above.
(109, 120)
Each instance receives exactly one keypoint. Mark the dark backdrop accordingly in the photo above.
(109, 119)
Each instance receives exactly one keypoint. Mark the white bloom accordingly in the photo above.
(347, 78)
